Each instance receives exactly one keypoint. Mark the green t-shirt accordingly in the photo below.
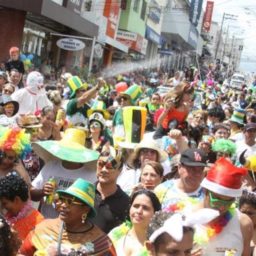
(77, 115)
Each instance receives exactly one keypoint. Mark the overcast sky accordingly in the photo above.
(243, 27)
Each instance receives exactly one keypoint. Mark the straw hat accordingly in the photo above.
(151, 144)
(70, 148)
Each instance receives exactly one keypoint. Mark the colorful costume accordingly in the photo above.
(43, 241)
(118, 235)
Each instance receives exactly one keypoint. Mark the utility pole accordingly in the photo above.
(225, 16)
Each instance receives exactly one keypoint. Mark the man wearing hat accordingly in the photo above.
(236, 124)
(127, 98)
(65, 161)
(230, 232)
(191, 172)
(77, 106)
(248, 144)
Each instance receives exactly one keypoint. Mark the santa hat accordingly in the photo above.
(224, 178)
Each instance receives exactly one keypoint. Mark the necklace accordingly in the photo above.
(205, 233)
(22, 213)
(78, 232)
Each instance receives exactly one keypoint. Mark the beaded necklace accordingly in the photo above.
(22, 213)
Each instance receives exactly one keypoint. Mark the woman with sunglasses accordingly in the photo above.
(14, 146)
(177, 105)
(72, 233)
(98, 134)
(130, 237)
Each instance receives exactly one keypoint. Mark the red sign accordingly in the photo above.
(111, 12)
(208, 16)
(133, 40)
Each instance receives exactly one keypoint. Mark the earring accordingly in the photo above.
(84, 216)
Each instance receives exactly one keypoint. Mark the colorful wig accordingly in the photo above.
(15, 139)
(225, 146)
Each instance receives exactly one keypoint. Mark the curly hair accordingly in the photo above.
(15, 139)
(9, 241)
(224, 145)
(248, 198)
(13, 185)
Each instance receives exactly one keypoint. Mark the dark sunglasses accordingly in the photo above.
(69, 201)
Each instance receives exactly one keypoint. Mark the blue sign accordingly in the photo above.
(193, 36)
(154, 14)
(195, 11)
(153, 36)
(165, 51)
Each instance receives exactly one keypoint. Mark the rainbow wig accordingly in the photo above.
(15, 139)
(225, 146)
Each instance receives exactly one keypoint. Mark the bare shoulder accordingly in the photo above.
(246, 225)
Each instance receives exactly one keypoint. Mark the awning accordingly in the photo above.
(117, 44)
(53, 11)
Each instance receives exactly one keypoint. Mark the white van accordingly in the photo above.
(237, 80)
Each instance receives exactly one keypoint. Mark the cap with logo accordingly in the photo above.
(193, 157)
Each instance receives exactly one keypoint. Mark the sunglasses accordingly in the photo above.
(199, 117)
(109, 164)
(68, 201)
(251, 214)
(217, 202)
(95, 125)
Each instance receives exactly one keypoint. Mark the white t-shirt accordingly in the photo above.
(64, 178)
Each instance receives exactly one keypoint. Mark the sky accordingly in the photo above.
(243, 27)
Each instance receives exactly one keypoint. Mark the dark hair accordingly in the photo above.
(248, 198)
(9, 242)
(157, 94)
(220, 126)
(46, 110)
(151, 195)
(158, 168)
(13, 185)
(217, 112)
(157, 222)
(136, 160)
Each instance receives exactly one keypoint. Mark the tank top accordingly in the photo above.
(230, 239)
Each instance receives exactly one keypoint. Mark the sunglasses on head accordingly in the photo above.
(109, 163)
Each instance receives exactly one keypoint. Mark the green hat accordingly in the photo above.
(133, 92)
(99, 106)
(75, 83)
(134, 125)
(84, 191)
(238, 116)
(70, 148)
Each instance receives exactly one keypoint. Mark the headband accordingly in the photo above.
(174, 225)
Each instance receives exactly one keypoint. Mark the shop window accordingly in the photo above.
(136, 5)
(143, 10)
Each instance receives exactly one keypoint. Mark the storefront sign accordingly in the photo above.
(111, 12)
(152, 35)
(133, 40)
(208, 16)
(70, 44)
(165, 51)
(75, 5)
(195, 11)
(154, 13)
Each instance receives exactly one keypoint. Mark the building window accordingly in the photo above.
(136, 5)
(143, 10)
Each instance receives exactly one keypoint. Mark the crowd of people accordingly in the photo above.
(121, 166)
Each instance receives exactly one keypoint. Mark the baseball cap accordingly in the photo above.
(193, 157)
(250, 126)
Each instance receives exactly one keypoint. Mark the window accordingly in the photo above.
(143, 10)
(136, 5)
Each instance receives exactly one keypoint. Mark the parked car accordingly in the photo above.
(237, 80)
